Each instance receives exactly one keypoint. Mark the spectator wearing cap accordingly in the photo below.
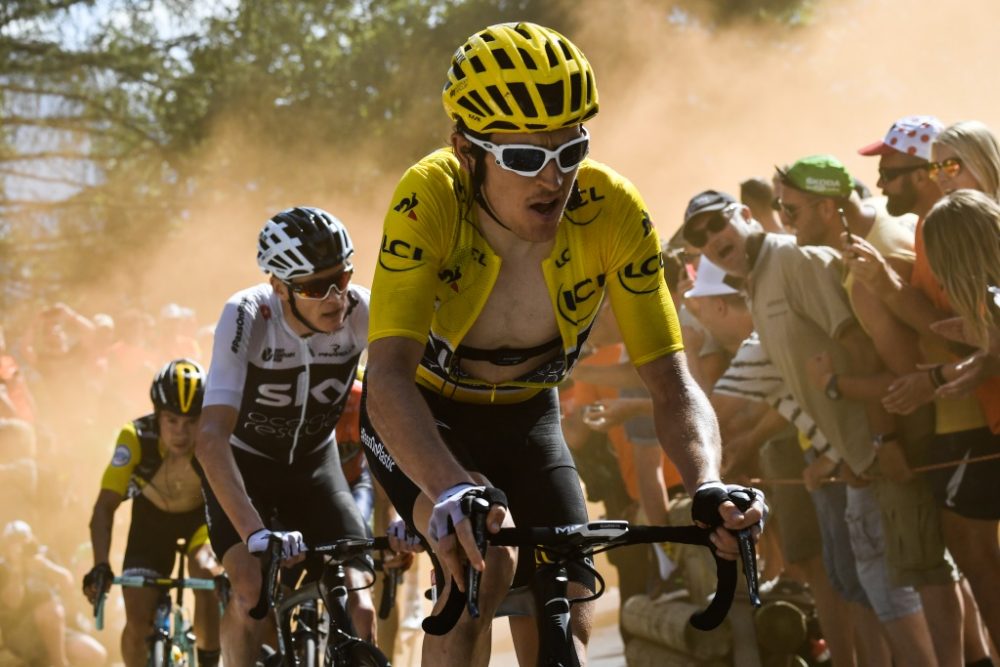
(820, 191)
(759, 195)
(758, 415)
(967, 494)
(798, 306)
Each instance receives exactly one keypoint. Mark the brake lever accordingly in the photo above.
(476, 508)
(748, 552)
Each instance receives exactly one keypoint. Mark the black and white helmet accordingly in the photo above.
(179, 387)
(301, 241)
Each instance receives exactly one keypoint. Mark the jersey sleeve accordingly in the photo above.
(635, 283)
(127, 455)
(228, 372)
(412, 253)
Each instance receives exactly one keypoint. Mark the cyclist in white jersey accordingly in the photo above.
(283, 363)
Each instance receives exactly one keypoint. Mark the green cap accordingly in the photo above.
(822, 175)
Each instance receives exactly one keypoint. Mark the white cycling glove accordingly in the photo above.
(291, 542)
(449, 506)
(398, 530)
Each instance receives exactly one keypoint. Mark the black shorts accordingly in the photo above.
(153, 535)
(310, 495)
(519, 447)
(968, 489)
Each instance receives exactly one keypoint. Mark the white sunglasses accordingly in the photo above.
(529, 160)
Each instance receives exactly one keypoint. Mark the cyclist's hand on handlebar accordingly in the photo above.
(713, 507)
(450, 528)
(401, 540)
(292, 547)
(101, 571)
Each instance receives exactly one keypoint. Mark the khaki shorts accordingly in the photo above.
(914, 547)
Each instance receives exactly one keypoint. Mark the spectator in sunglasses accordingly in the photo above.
(966, 155)
(798, 306)
(964, 425)
(906, 503)
(497, 254)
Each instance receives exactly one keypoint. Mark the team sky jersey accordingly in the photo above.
(436, 271)
(289, 390)
(136, 458)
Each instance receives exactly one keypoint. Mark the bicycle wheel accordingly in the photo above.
(356, 653)
(310, 653)
(158, 653)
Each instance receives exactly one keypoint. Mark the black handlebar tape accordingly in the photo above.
(270, 567)
(443, 622)
(715, 613)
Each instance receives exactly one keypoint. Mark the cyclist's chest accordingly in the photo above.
(174, 487)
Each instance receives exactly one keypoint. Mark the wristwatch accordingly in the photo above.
(831, 390)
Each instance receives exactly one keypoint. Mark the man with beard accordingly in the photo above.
(819, 189)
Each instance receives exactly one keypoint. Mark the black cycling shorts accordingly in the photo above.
(310, 495)
(519, 447)
(153, 535)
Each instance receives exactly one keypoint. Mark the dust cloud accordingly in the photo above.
(684, 106)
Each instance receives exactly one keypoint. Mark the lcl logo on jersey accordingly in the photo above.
(642, 277)
(406, 205)
(279, 395)
(399, 255)
(578, 303)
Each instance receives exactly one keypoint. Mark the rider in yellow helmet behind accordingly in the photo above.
(497, 252)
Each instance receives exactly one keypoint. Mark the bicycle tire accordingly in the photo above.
(158, 654)
(310, 653)
(357, 654)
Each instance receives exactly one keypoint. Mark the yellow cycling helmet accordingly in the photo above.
(519, 77)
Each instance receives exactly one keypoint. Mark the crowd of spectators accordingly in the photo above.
(68, 381)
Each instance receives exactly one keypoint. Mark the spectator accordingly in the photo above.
(18, 470)
(759, 196)
(820, 188)
(15, 397)
(798, 305)
(32, 616)
(971, 508)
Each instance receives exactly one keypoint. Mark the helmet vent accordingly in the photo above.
(551, 54)
(575, 91)
(503, 60)
(478, 99)
(464, 102)
(552, 97)
(499, 100)
(457, 71)
(519, 29)
(565, 49)
(477, 64)
(529, 62)
(523, 99)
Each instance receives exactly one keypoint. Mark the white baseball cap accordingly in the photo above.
(709, 281)
(910, 135)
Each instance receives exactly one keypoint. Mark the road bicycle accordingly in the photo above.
(313, 620)
(556, 547)
(172, 641)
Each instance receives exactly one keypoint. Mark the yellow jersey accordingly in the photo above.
(436, 271)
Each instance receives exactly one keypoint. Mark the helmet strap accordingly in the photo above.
(298, 315)
(478, 178)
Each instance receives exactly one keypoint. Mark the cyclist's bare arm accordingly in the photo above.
(685, 424)
(215, 455)
(101, 523)
(401, 416)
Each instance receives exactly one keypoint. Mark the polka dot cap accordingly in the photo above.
(912, 135)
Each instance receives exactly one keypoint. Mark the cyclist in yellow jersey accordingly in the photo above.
(497, 252)
(151, 466)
